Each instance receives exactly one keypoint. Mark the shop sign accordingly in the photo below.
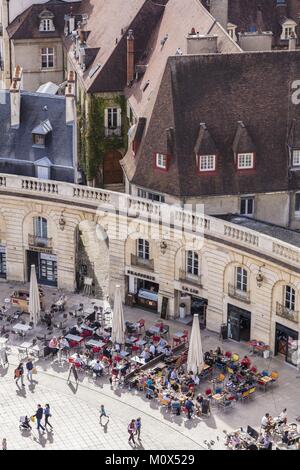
(190, 290)
(147, 277)
(48, 257)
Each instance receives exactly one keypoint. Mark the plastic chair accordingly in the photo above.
(274, 375)
(235, 357)
(176, 341)
(185, 336)
(135, 349)
(228, 354)
(208, 392)
(265, 373)
(155, 339)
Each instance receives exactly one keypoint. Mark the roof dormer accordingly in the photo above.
(40, 132)
(288, 29)
(244, 149)
(46, 18)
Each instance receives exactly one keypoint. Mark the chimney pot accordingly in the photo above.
(130, 57)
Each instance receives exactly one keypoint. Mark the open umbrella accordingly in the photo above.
(118, 326)
(195, 356)
(34, 297)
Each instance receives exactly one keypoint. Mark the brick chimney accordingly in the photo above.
(130, 57)
(70, 98)
(15, 97)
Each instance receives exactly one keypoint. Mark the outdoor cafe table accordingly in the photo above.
(86, 327)
(140, 342)
(93, 342)
(266, 380)
(22, 328)
(89, 310)
(123, 353)
(75, 338)
(131, 340)
(138, 360)
(157, 330)
(26, 345)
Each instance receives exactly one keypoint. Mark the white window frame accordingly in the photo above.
(42, 172)
(287, 30)
(241, 279)
(247, 199)
(289, 297)
(143, 249)
(40, 227)
(245, 161)
(207, 163)
(231, 30)
(48, 53)
(47, 25)
(155, 197)
(296, 157)
(192, 263)
(161, 161)
(39, 140)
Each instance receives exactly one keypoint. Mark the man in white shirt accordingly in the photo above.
(283, 416)
(152, 349)
(265, 422)
(145, 354)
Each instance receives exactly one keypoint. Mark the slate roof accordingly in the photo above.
(221, 90)
(26, 25)
(17, 155)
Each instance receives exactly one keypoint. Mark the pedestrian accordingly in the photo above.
(19, 373)
(39, 416)
(103, 413)
(131, 430)
(4, 444)
(29, 367)
(138, 425)
(47, 414)
(189, 406)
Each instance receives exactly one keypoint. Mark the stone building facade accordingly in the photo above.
(229, 273)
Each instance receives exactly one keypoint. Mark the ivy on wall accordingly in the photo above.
(92, 142)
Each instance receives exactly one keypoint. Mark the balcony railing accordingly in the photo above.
(284, 312)
(238, 294)
(36, 242)
(113, 131)
(194, 279)
(143, 263)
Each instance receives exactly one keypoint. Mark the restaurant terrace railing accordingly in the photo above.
(288, 314)
(185, 276)
(174, 217)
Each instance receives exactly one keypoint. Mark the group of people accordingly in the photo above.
(25, 422)
(134, 430)
(20, 370)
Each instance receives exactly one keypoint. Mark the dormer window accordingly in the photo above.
(231, 30)
(161, 161)
(288, 29)
(296, 158)
(245, 161)
(39, 134)
(46, 21)
(207, 163)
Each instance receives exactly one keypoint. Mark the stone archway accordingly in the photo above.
(112, 170)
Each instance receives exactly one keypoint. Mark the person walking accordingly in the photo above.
(39, 416)
(103, 413)
(29, 368)
(19, 373)
(47, 414)
(138, 426)
(189, 406)
(131, 430)
(4, 444)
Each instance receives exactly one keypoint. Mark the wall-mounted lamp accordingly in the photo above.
(259, 278)
(163, 247)
(62, 222)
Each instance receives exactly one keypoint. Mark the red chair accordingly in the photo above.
(141, 323)
(73, 344)
(253, 369)
(135, 349)
(185, 336)
(96, 349)
(228, 354)
(176, 341)
(117, 358)
(208, 392)
(155, 339)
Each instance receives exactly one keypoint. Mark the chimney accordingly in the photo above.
(292, 42)
(219, 10)
(15, 97)
(130, 57)
(202, 44)
(70, 98)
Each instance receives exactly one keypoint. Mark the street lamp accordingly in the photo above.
(163, 247)
(62, 222)
(259, 278)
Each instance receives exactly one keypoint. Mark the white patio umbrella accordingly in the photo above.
(118, 326)
(195, 355)
(34, 297)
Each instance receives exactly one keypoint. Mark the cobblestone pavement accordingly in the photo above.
(75, 409)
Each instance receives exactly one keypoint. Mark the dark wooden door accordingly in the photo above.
(112, 170)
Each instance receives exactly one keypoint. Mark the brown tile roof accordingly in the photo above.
(221, 90)
(26, 25)
(108, 23)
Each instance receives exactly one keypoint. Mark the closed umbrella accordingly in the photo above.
(118, 326)
(34, 297)
(195, 355)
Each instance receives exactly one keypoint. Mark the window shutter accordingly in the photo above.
(106, 117)
(119, 117)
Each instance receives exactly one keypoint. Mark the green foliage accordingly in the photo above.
(92, 142)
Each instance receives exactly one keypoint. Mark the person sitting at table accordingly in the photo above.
(53, 345)
(282, 418)
(267, 422)
(107, 352)
(161, 345)
(97, 368)
(145, 354)
(75, 330)
(152, 350)
(175, 406)
(64, 344)
(245, 362)
(218, 351)
(167, 351)
(174, 375)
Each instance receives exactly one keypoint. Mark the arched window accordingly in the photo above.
(241, 279)
(192, 263)
(40, 228)
(289, 297)
(143, 249)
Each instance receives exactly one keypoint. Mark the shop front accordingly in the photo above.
(2, 262)
(190, 302)
(142, 289)
(286, 344)
(238, 323)
(46, 267)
